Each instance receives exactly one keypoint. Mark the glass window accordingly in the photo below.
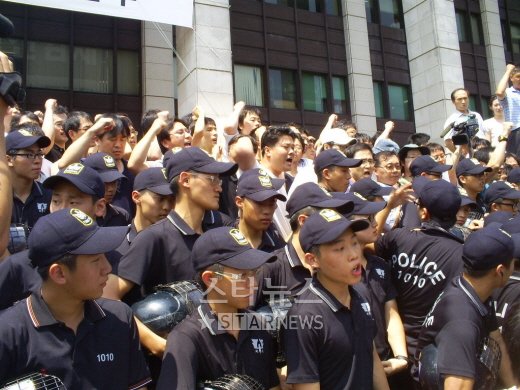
(515, 38)
(333, 7)
(486, 111)
(472, 103)
(476, 30)
(249, 85)
(287, 3)
(127, 72)
(14, 49)
(399, 102)
(314, 92)
(93, 70)
(339, 95)
(389, 13)
(371, 11)
(47, 65)
(282, 87)
(461, 26)
(309, 5)
(378, 99)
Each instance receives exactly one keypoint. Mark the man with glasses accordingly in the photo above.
(30, 200)
(221, 336)
(160, 254)
(55, 117)
(363, 152)
(502, 196)
(470, 176)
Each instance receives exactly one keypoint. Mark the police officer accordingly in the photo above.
(332, 170)
(461, 327)
(220, 338)
(502, 196)
(64, 329)
(256, 198)
(471, 177)
(329, 344)
(24, 150)
(423, 260)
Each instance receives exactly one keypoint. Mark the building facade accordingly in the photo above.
(297, 60)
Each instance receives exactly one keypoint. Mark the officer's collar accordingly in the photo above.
(292, 256)
(132, 232)
(41, 315)
(435, 228)
(209, 320)
(180, 224)
(317, 288)
(267, 240)
(472, 295)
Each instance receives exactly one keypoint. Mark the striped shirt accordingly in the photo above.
(511, 106)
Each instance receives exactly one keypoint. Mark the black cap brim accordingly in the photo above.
(371, 208)
(160, 190)
(337, 230)
(249, 259)
(52, 181)
(41, 141)
(476, 171)
(384, 191)
(349, 163)
(440, 168)
(260, 196)
(104, 239)
(217, 168)
(110, 176)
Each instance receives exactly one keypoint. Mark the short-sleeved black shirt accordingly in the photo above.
(226, 202)
(329, 343)
(35, 206)
(123, 196)
(456, 325)
(504, 297)
(284, 277)
(377, 288)
(103, 354)
(423, 261)
(18, 279)
(115, 216)
(161, 253)
(198, 350)
(55, 153)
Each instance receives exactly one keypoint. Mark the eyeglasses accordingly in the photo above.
(242, 276)
(30, 156)
(213, 180)
(513, 206)
(391, 167)
(59, 125)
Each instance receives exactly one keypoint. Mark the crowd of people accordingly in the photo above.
(394, 266)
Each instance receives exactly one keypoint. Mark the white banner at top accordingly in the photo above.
(176, 12)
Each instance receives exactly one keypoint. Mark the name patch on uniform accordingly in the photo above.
(238, 237)
(83, 218)
(109, 161)
(329, 215)
(74, 169)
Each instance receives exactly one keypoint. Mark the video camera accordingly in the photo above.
(464, 129)
(10, 82)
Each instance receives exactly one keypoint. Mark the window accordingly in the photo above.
(249, 85)
(47, 65)
(515, 38)
(476, 30)
(93, 70)
(14, 49)
(333, 7)
(399, 102)
(484, 104)
(314, 92)
(461, 26)
(282, 86)
(127, 72)
(371, 11)
(309, 5)
(339, 95)
(472, 105)
(469, 32)
(390, 14)
(378, 99)
(287, 3)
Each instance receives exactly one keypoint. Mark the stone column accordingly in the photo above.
(435, 64)
(204, 65)
(359, 66)
(157, 67)
(496, 58)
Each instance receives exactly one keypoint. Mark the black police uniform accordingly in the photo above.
(18, 279)
(55, 153)
(161, 253)
(330, 344)
(457, 325)
(123, 196)
(198, 350)
(104, 353)
(115, 216)
(284, 277)
(226, 201)
(504, 297)
(377, 288)
(36, 205)
(422, 261)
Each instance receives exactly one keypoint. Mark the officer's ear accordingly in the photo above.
(136, 197)
(10, 160)
(326, 173)
(424, 214)
(208, 278)
(100, 207)
(312, 260)
(239, 201)
(56, 273)
(184, 179)
(301, 219)
(493, 207)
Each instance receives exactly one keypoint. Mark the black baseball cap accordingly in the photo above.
(326, 226)
(86, 179)
(368, 187)
(404, 150)
(514, 175)
(311, 194)
(229, 247)
(362, 206)
(195, 159)
(427, 164)
(442, 199)
(488, 247)
(333, 157)
(153, 179)
(105, 165)
(259, 186)
(21, 139)
(467, 167)
(500, 190)
(70, 231)
(467, 201)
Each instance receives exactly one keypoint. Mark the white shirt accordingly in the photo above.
(456, 115)
(495, 128)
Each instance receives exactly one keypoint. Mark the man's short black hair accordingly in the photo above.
(435, 147)
(351, 151)
(273, 134)
(68, 260)
(478, 274)
(245, 111)
(418, 139)
(236, 137)
(363, 138)
(61, 110)
(511, 335)
(73, 122)
(119, 128)
(483, 154)
(452, 96)
(383, 156)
